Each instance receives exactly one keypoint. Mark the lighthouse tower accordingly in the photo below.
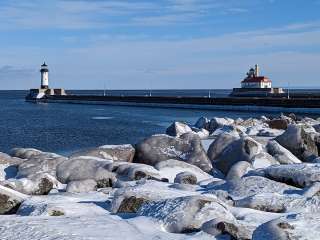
(44, 76)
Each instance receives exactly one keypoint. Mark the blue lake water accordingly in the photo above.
(64, 128)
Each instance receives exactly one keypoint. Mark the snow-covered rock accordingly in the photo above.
(218, 227)
(217, 122)
(282, 155)
(82, 186)
(185, 214)
(123, 152)
(176, 129)
(252, 185)
(131, 198)
(170, 168)
(10, 200)
(300, 175)
(37, 184)
(299, 142)
(25, 153)
(186, 178)
(137, 171)
(227, 150)
(8, 166)
(81, 168)
(292, 226)
(238, 170)
(40, 163)
(159, 148)
(202, 122)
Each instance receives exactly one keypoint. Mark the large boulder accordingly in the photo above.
(217, 122)
(38, 184)
(185, 214)
(40, 163)
(202, 122)
(292, 226)
(252, 185)
(221, 143)
(187, 148)
(25, 153)
(170, 168)
(282, 155)
(129, 199)
(225, 153)
(10, 200)
(82, 186)
(176, 129)
(77, 169)
(113, 152)
(299, 142)
(300, 175)
(8, 166)
(186, 178)
(278, 124)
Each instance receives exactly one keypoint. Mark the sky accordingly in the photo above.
(159, 44)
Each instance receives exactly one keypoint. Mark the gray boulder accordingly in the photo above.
(38, 184)
(185, 214)
(113, 152)
(252, 185)
(282, 155)
(10, 200)
(238, 170)
(232, 150)
(186, 178)
(299, 142)
(176, 129)
(300, 175)
(82, 186)
(292, 226)
(25, 153)
(187, 148)
(40, 163)
(77, 169)
(202, 122)
(217, 122)
(278, 124)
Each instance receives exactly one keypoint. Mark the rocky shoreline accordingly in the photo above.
(221, 178)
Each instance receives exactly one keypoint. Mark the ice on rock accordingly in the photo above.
(10, 200)
(228, 150)
(146, 192)
(37, 184)
(238, 170)
(187, 148)
(176, 129)
(40, 163)
(123, 152)
(300, 175)
(249, 186)
(82, 186)
(282, 155)
(25, 153)
(80, 168)
(185, 214)
(299, 142)
(137, 171)
(170, 168)
(217, 122)
(293, 226)
(186, 178)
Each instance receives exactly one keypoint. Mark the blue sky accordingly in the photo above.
(137, 44)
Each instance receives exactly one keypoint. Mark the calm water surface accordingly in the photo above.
(64, 128)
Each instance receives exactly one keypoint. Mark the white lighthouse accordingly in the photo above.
(44, 76)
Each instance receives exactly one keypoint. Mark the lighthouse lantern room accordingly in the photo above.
(44, 76)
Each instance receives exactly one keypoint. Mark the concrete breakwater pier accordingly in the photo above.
(256, 94)
(296, 105)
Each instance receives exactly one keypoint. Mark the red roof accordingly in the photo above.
(256, 79)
